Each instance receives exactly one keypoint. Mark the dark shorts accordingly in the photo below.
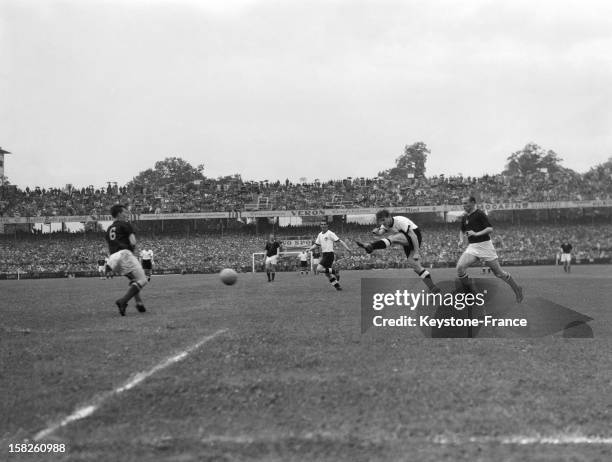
(327, 259)
(409, 248)
(303, 264)
(146, 264)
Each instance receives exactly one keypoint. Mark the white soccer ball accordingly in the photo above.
(228, 276)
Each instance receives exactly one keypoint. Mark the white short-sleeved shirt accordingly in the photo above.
(146, 254)
(400, 224)
(326, 240)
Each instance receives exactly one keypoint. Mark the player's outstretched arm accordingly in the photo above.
(345, 246)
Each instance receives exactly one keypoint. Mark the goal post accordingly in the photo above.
(260, 257)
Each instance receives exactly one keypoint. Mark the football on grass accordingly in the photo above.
(228, 276)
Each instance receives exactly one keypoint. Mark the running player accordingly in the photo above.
(325, 241)
(475, 226)
(121, 244)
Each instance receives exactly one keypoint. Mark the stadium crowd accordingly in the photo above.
(67, 253)
(234, 194)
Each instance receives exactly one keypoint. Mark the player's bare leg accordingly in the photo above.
(330, 274)
(507, 278)
(273, 272)
(139, 303)
(400, 239)
(465, 261)
(422, 273)
(268, 272)
(122, 303)
(137, 282)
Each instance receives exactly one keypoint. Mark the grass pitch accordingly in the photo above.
(289, 376)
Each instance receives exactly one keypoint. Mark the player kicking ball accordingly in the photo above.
(121, 244)
(401, 231)
(475, 226)
(325, 241)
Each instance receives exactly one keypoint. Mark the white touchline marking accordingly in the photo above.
(559, 439)
(441, 440)
(92, 407)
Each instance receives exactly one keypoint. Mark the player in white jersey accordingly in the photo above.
(400, 231)
(146, 260)
(325, 241)
(304, 262)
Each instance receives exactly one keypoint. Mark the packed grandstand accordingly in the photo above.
(233, 194)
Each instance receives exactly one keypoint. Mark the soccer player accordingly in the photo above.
(475, 226)
(316, 256)
(325, 241)
(566, 256)
(402, 231)
(109, 271)
(304, 262)
(121, 244)
(102, 267)
(272, 252)
(146, 258)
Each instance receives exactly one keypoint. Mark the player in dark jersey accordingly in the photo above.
(316, 257)
(102, 267)
(272, 252)
(476, 227)
(121, 244)
(566, 256)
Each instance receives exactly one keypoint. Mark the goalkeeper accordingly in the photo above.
(401, 231)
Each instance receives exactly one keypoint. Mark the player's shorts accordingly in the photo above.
(273, 260)
(482, 250)
(303, 264)
(147, 264)
(315, 261)
(566, 257)
(125, 263)
(102, 269)
(327, 259)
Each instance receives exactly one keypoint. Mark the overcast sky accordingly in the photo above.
(98, 91)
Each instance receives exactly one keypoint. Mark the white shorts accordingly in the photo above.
(272, 260)
(566, 257)
(101, 269)
(125, 263)
(315, 261)
(482, 250)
